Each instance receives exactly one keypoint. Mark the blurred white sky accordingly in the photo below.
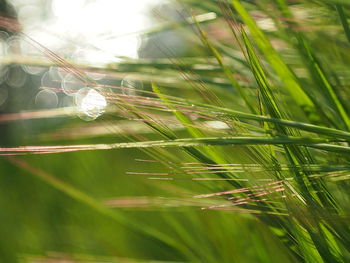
(90, 31)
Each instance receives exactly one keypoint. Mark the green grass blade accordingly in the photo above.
(344, 21)
(226, 69)
(285, 74)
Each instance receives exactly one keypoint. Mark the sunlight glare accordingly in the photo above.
(91, 103)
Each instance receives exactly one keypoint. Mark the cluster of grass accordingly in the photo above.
(236, 152)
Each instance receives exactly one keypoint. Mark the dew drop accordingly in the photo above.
(90, 103)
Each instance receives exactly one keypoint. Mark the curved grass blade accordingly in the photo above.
(285, 74)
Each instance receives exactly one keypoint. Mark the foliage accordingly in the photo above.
(236, 152)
